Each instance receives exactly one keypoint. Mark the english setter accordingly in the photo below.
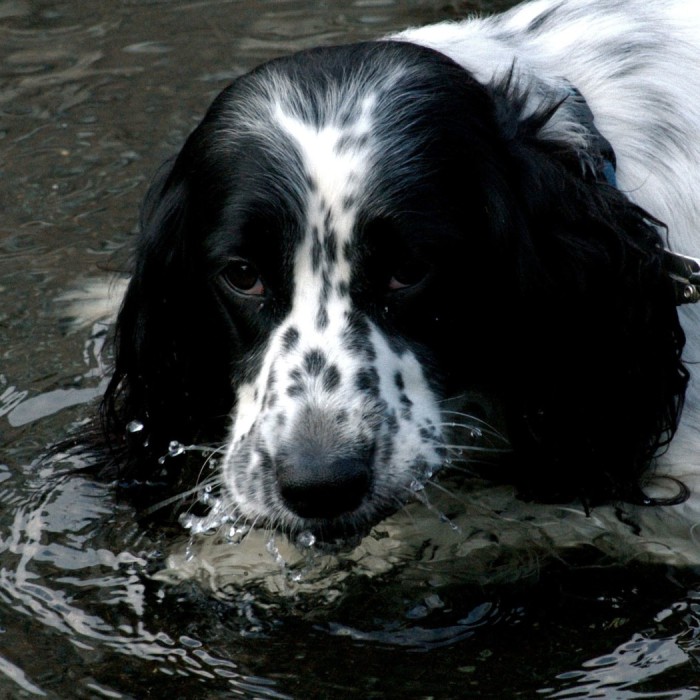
(367, 256)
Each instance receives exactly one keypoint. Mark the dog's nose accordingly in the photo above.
(314, 488)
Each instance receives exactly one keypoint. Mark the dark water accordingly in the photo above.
(93, 96)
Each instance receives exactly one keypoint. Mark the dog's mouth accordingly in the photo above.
(342, 530)
(313, 526)
(329, 536)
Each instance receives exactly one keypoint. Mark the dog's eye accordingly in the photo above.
(407, 273)
(243, 277)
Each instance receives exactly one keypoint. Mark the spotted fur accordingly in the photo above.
(364, 250)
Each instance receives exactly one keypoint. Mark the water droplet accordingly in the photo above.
(175, 448)
(434, 602)
(217, 516)
(134, 426)
(448, 521)
(235, 534)
(205, 494)
(271, 547)
(187, 521)
(189, 552)
(306, 539)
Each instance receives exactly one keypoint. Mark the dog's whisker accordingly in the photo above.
(473, 424)
(471, 462)
(473, 434)
(432, 483)
(422, 497)
(180, 497)
(478, 448)
(464, 471)
(202, 486)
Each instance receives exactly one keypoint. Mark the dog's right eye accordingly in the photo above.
(243, 277)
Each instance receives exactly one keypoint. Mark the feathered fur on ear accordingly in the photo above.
(167, 360)
(595, 382)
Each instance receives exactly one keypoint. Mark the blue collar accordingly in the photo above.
(599, 156)
(599, 160)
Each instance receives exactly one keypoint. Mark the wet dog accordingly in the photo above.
(374, 260)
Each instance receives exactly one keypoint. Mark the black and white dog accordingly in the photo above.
(364, 251)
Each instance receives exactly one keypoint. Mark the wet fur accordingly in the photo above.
(454, 150)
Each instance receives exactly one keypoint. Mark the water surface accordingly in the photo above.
(93, 96)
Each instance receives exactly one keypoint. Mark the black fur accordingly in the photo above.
(544, 285)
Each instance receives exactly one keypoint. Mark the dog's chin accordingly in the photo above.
(341, 533)
(334, 535)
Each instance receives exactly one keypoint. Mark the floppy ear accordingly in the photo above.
(595, 382)
(171, 360)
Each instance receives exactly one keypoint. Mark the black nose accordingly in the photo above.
(314, 488)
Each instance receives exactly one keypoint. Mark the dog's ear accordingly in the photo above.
(595, 382)
(168, 365)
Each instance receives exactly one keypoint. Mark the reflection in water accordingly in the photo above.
(93, 604)
(639, 658)
(61, 570)
(22, 409)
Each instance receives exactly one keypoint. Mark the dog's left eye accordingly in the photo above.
(243, 277)
(407, 273)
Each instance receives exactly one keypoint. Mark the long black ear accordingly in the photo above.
(169, 360)
(594, 378)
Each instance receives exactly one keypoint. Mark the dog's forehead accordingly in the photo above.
(336, 111)
(337, 161)
(335, 155)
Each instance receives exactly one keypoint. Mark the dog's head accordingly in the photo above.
(357, 240)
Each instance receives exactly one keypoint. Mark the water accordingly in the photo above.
(93, 96)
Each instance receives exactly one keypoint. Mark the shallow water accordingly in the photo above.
(93, 96)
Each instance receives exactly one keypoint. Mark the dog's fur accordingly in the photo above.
(363, 252)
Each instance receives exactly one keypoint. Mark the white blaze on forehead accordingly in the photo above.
(334, 155)
(336, 159)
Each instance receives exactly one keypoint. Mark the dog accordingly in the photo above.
(370, 265)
